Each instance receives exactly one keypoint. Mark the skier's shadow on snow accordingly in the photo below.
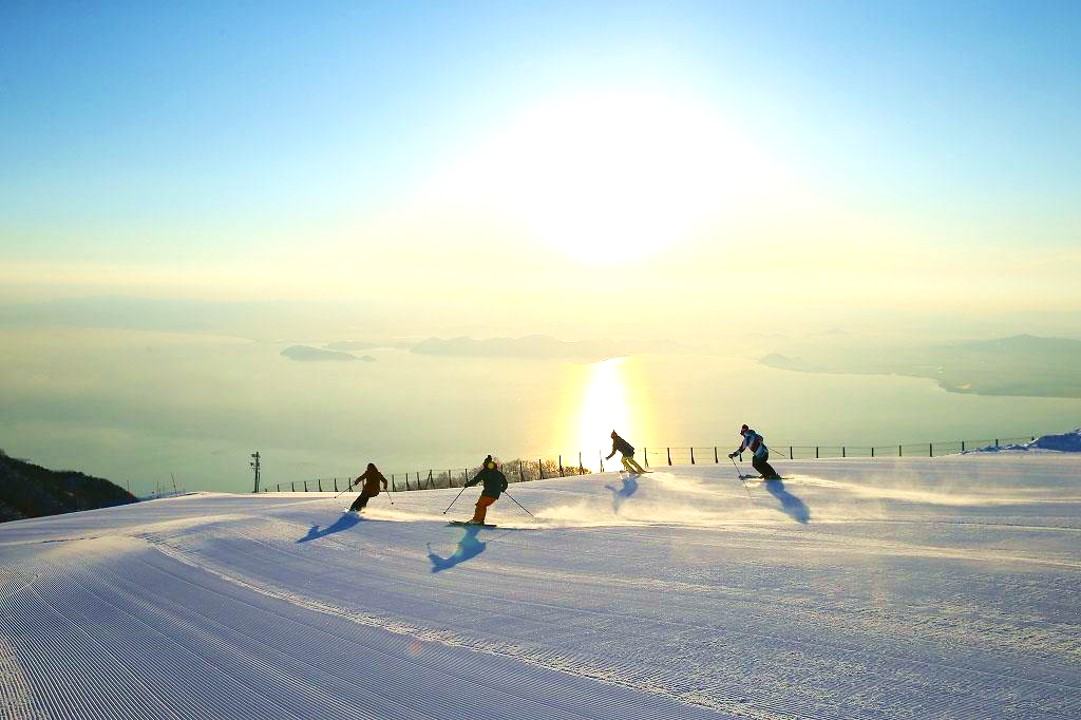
(620, 495)
(346, 521)
(468, 548)
(790, 504)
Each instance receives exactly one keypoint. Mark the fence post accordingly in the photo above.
(278, 488)
(305, 486)
(521, 474)
(816, 453)
(692, 456)
(716, 457)
(930, 449)
(872, 451)
(669, 455)
(600, 459)
(962, 446)
(790, 456)
(540, 470)
(292, 486)
(581, 467)
(560, 466)
(996, 442)
(899, 453)
(843, 453)
(320, 481)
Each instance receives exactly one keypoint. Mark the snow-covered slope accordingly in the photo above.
(916, 588)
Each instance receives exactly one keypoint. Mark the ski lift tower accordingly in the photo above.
(255, 468)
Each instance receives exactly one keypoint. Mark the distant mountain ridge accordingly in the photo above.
(1019, 365)
(28, 490)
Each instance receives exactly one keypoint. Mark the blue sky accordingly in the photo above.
(134, 130)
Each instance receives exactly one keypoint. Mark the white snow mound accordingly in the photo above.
(1066, 442)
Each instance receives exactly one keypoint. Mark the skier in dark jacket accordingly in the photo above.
(760, 458)
(371, 477)
(627, 450)
(494, 482)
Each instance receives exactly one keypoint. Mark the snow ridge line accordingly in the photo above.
(449, 639)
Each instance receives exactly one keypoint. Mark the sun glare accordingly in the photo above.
(614, 177)
(605, 406)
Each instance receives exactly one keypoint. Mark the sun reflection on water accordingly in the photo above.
(605, 405)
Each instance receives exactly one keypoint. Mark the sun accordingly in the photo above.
(613, 177)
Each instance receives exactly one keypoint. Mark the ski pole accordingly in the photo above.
(519, 504)
(454, 500)
(390, 495)
(347, 488)
(740, 477)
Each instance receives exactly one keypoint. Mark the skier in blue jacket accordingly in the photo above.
(760, 453)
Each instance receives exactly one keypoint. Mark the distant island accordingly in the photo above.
(306, 353)
(28, 490)
(1021, 365)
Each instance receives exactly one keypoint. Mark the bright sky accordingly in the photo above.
(656, 159)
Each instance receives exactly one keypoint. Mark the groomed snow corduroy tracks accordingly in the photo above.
(941, 588)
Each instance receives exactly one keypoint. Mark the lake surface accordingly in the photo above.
(137, 406)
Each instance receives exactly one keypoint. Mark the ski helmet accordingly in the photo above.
(744, 428)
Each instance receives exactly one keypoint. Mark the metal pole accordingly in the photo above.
(347, 486)
(518, 504)
(454, 500)
(740, 475)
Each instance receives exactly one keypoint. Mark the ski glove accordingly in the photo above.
(732, 454)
